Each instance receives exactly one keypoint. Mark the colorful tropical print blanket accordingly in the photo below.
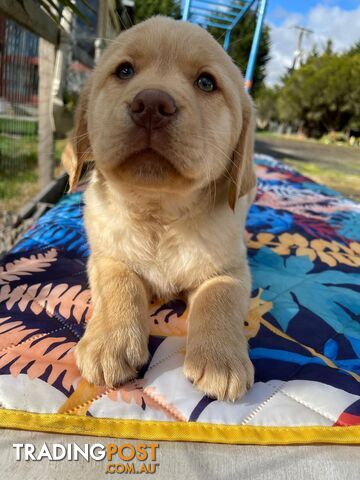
(303, 325)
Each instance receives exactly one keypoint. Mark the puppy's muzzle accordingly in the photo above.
(152, 109)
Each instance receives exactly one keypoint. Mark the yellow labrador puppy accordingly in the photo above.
(167, 122)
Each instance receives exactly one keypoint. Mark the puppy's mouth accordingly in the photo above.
(148, 165)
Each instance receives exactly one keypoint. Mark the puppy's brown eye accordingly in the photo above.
(206, 82)
(125, 71)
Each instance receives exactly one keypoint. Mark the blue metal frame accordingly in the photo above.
(226, 15)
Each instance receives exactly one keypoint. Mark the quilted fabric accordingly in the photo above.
(303, 325)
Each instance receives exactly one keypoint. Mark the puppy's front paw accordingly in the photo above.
(113, 358)
(224, 374)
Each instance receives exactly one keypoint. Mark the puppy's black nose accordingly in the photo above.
(152, 109)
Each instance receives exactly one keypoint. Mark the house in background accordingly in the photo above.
(18, 67)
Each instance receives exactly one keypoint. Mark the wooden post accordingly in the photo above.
(46, 154)
(101, 29)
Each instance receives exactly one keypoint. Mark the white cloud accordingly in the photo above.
(341, 26)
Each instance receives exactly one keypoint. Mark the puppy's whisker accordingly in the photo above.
(84, 154)
(83, 135)
(109, 40)
(219, 148)
(210, 182)
(229, 159)
(221, 36)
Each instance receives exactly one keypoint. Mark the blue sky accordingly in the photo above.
(338, 20)
(277, 7)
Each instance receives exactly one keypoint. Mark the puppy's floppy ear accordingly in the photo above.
(79, 151)
(242, 171)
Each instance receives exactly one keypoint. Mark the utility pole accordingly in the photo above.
(298, 54)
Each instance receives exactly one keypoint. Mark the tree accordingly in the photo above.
(148, 8)
(322, 95)
(266, 103)
(355, 49)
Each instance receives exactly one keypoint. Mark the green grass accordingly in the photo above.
(16, 190)
(19, 127)
(295, 137)
(18, 169)
(17, 151)
(346, 183)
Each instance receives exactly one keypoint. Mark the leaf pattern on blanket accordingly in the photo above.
(12, 332)
(70, 302)
(26, 266)
(43, 356)
(168, 319)
(290, 283)
(258, 308)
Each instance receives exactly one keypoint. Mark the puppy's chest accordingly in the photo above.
(171, 259)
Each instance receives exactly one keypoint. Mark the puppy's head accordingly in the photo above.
(165, 110)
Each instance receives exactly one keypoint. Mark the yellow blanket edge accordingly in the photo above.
(177, 431)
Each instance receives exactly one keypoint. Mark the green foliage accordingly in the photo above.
(323, 94)
(148, 8)
(266, 100)
(355, 49)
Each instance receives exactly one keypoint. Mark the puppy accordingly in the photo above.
(169, 127)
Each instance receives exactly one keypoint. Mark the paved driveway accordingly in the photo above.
(344, 159)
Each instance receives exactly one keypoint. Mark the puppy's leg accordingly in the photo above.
(115, 343)
(217, 359)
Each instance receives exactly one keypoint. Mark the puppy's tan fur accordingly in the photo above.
(160, 227)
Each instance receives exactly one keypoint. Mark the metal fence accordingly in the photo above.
(42, 68)
(18, 103)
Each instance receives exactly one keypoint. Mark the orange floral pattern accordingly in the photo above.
(330, 253)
